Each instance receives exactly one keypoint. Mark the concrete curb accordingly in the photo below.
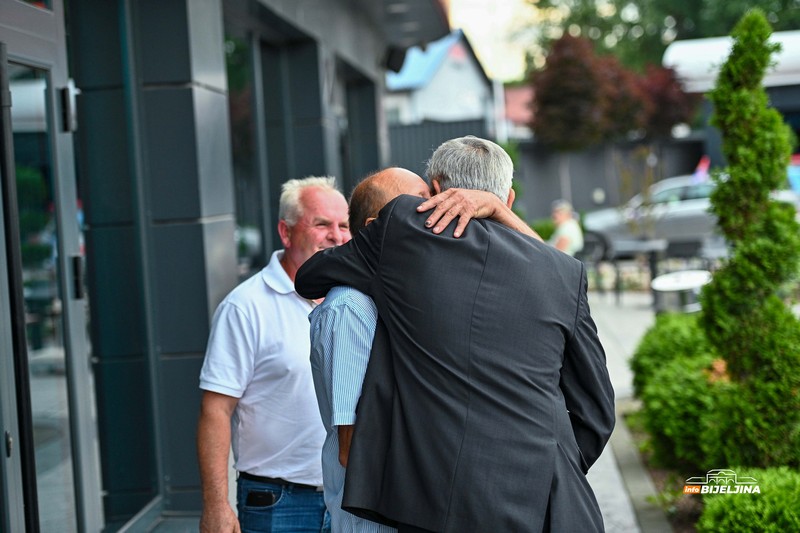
(637, 480)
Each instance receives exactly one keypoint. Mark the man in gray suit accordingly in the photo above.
(487, 396)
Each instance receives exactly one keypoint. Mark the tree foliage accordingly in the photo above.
(743, 316)
(638, 31)
(628, 104)
(582, 98)
(569, 111)
(667, 103)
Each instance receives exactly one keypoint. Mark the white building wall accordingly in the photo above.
(397, 107)
(458, 91)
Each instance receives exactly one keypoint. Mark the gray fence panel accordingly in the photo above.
(412, 145)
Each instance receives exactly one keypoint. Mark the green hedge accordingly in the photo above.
(544, 227)
(752, 425)
(673, 336)
(776, 509)
(676, 401)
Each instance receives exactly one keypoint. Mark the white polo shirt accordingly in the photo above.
(258, 352)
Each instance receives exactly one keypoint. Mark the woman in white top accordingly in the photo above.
(568, 236)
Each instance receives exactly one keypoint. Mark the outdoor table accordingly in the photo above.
(679, 290)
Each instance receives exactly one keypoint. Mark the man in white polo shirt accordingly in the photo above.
(258, 394)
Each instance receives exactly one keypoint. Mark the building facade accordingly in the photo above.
(441, 92)
(445, 82)
(144, 145)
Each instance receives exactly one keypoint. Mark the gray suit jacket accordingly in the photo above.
(487, 396)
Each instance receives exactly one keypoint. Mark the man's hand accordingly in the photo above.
(219, 520)
(467, 204)
(462, 203)
(345, 438)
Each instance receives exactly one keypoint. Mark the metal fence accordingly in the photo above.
(412, 145)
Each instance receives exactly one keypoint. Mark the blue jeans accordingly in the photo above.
(295, 509)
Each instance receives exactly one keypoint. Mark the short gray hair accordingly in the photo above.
(472, 163)
(561, 205)
(290, 208)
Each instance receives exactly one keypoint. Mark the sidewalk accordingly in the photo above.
(621, 484)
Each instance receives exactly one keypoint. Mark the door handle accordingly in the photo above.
(67, 109)
(78, 291)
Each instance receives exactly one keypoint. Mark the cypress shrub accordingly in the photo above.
(757, 418)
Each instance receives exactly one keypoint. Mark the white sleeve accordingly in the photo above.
(230, 354)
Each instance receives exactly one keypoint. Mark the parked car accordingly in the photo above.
(674, 209)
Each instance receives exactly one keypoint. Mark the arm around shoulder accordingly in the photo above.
(353, 263)
(466, 204)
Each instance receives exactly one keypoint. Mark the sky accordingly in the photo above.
(491, 27)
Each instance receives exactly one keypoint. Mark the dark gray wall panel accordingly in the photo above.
(413, 145)
(181, 41)
(95, 33)
(600, 167)
(124, 422)
(171, 153)
(179, 285)
(163, 41)
(309, 142)
(363, 146)
(279, 165)
(116, 294)
(106, 185)
(304, 81)
(180, 403)
(272, 65)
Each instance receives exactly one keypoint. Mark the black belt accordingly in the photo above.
(278, 481)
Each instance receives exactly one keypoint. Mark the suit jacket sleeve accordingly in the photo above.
(586, 385)
(354, 263)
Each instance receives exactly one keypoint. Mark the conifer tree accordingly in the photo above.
(745, 320)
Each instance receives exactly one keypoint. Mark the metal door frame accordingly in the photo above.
(36, 37)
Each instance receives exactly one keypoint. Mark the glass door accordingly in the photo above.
(45, 359)
(53, 405)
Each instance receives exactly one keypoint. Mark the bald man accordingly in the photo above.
(343, 326)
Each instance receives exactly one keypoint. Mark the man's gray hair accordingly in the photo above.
(290, 208)
(472, 163)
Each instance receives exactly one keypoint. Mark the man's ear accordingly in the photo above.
(511, 196)
(369, 221)
(437, 187)
(285, 233)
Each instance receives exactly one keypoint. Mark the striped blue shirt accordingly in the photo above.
(342, 329)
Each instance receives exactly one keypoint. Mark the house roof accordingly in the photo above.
(420, 66)
(697, 61)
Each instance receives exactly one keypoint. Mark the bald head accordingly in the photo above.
(379, 189)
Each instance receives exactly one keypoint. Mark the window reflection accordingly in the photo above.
(41, 290)
(249, 237)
